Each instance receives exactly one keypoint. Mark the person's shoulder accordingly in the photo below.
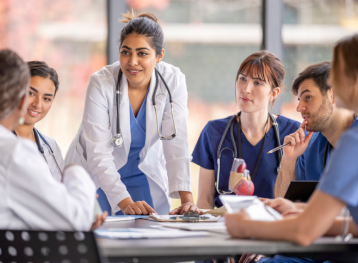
(284, 121)
(23, 148)
(350, 137)
(287, 125)
(355, 123)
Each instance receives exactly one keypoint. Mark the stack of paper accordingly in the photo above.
(123, 218)
(179, 218)
(212, 227)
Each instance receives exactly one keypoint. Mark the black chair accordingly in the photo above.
(48, 247)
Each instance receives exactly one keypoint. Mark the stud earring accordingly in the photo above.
(22, 120)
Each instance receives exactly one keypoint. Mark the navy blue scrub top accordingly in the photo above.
(205, 154)
(309, 165)
(340, 178)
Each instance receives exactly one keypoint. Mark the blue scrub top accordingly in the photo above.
(340, 178)
(309, 165)
(134, 179)
(205, 154)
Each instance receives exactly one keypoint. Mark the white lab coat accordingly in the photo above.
(30, 198)
(50, 160)
(165, 163)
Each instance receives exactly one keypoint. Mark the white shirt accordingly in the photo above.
(165, 163)
(30, 198)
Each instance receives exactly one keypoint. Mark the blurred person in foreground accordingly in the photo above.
(44, 84)
(30, 197)
(305, 157)
(338, 185)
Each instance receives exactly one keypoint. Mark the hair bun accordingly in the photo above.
(132, 15)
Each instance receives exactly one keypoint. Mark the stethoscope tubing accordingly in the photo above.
(39, 146)
(117, 140)
(230, 126)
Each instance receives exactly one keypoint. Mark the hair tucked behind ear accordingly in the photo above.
(145, 25)
(132, 15)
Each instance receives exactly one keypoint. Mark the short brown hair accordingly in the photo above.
(348, 48)
(14, 81)
(319, 73)
(265, 66)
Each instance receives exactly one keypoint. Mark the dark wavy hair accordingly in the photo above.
(41, 69)
(319, 73)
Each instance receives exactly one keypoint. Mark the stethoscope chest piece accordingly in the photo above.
(117, 140)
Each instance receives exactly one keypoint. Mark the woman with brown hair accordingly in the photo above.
(338, 186)
(249, 134)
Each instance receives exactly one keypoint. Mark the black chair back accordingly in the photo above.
(48, 247)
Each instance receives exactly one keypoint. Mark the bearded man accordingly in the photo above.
(306, 156)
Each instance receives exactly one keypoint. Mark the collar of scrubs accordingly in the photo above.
(140, 120)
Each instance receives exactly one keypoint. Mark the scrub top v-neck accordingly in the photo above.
(134, 179)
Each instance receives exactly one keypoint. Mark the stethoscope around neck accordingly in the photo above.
(117, 140)
(38, 135)
(230, 126)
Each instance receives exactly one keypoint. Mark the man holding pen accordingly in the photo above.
(305, 157)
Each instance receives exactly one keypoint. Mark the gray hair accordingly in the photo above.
(14, 81)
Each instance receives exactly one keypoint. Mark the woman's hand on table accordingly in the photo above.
(129, 207)
(235, 223)
(185, 208)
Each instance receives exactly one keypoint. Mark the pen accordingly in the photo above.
(278, 148)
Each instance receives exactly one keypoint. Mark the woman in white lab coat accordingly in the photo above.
(30, 198)
(146, 170)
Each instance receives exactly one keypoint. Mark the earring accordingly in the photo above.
(22, 120)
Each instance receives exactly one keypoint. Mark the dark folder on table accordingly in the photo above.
(300, 191)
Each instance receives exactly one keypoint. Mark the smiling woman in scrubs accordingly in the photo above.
(140, 176)
(258, 83)
(338, 186)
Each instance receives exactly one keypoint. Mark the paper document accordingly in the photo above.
(212, 227)
(256, 209)
(130, 233)
(179, 218)
(123, 218)
(215, 212)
